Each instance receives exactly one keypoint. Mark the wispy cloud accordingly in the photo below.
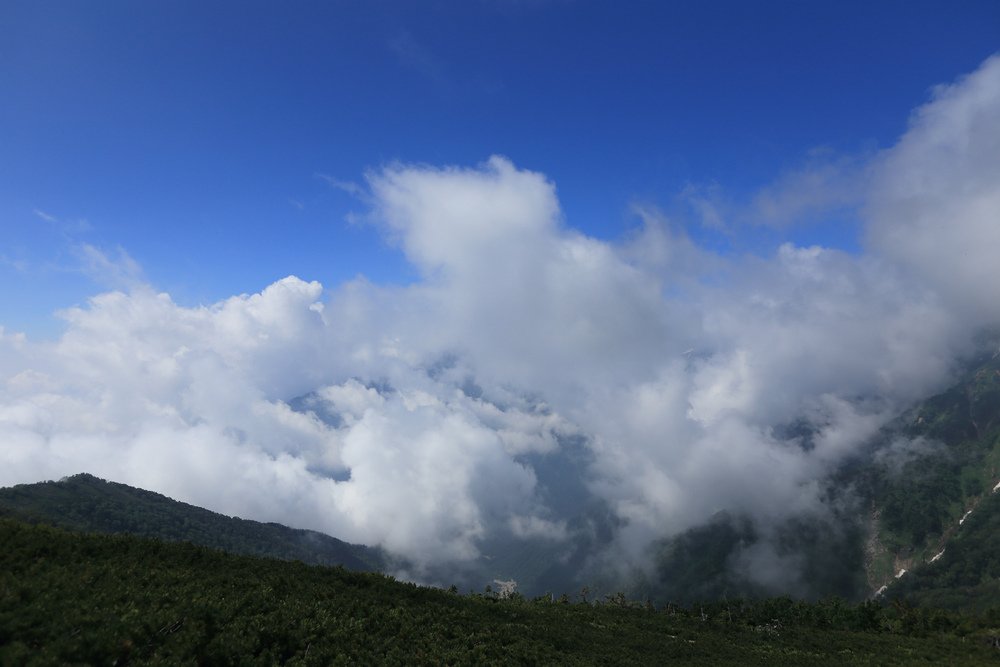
(64, 226)
(45, 216)
(825, 185)
(19, 265)
(350, 187)
(115, 268)
(417, 57)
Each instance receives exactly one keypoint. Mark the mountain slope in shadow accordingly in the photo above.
(86, 503)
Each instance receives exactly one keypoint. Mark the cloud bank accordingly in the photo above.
(437, 417)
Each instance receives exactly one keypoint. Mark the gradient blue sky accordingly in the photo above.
(202, 140)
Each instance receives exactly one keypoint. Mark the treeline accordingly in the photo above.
(118, 599)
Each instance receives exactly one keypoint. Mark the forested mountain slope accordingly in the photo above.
(84, 502)
(966, 575)
(119, 599)
(931, 491)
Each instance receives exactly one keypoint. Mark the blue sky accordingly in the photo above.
(194, 137)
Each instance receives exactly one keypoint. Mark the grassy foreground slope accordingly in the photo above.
(113, 599)
(86, 503)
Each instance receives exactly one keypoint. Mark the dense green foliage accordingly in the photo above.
(100, 599)
(84, 502)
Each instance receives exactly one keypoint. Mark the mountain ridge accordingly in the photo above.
(924, 505)
(84, 502)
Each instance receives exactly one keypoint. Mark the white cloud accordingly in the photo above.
(934, 205)
(427, 409)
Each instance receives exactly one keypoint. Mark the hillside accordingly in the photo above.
(100, 599)
(922, 489)
(932, 499)
(966, 575)
(84, 502)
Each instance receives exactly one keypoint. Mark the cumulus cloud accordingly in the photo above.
(934, 207)
(433, 418)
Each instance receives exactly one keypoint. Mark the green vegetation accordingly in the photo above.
(967, 576)
(927, 494)
(70, 598)
(921, 496)
(86, 503)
